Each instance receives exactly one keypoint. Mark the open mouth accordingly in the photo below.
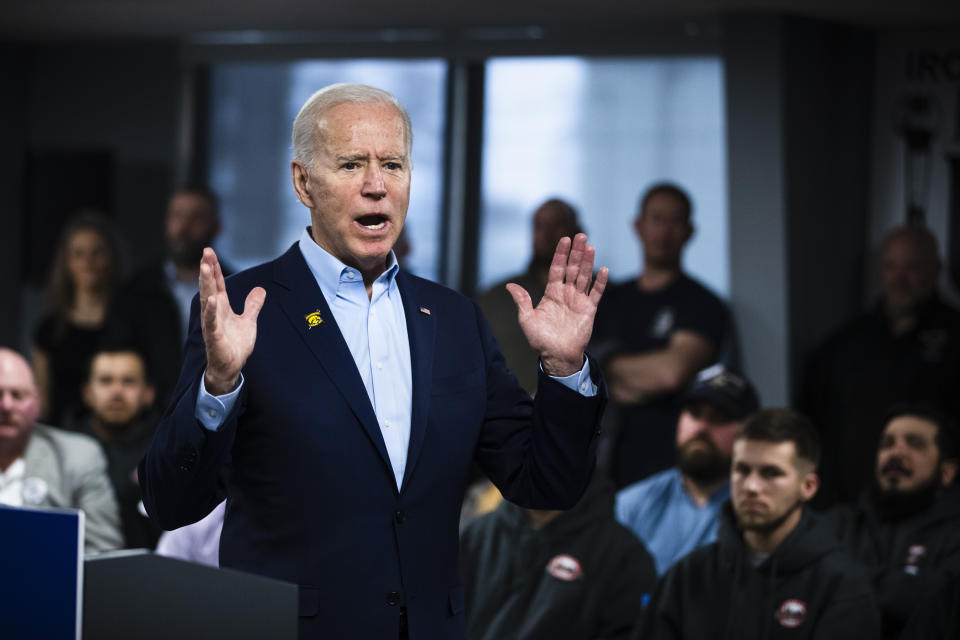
(373, 221)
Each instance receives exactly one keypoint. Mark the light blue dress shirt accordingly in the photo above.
(375, 330)
(660, 512)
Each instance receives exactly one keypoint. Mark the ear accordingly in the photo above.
(809, 486)
(638, 226)
(948, 471)
(690, 231)
(301, 183)
(87, 395)
(149, 395)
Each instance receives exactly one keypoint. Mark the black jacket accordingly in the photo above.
(908, 559)
(580, 576)
(807, 588)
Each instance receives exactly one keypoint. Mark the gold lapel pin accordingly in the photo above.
(424, 310)
(313, 319)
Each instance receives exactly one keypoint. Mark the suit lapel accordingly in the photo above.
(421, 330)
(300, 297)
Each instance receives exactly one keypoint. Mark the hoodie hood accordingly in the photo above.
(595, 504)
(809, 541)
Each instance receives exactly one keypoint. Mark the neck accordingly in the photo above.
(539, 518)
(656, 277)
(109, 433)
(765, 541)
(900, 320)
(8, 458)
(187, 273)
(89, 306)
(700, 492)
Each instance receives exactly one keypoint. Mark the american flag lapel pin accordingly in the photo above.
(424, 310)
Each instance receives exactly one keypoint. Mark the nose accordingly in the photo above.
(699, 424)
(751, 484)
(373, 184)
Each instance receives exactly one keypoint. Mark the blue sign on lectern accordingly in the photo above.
(41, 561)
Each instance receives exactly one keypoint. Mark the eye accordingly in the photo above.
(392, 166)
(350, 166)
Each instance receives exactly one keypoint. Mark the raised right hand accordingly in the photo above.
(229, 337)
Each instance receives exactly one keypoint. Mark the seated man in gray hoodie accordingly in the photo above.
(776, 571)
(554, 574)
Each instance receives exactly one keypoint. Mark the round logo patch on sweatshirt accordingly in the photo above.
(565, 567)
(792, 613)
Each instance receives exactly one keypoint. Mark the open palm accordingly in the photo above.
(559, 327)
(229, 337)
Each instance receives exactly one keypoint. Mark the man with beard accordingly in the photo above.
(775, 571)
(904, 350)
(904, 529)
(553, 220)
(119, 396)
(653, 334)
(677, 510)
(152, 311)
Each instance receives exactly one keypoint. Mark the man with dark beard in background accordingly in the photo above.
(904, 529)
(677, 510)
(151, 312)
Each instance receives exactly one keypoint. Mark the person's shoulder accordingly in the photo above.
(148, 276)
(655, 485)
(847, 575)
(70, 445)
(700, 566)
(692, 287)
(480, 531)
(43, 333)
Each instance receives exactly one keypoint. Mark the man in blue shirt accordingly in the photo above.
(337, 402)
(677, 510)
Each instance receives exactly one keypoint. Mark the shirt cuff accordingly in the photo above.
(579, 382)
(213, 410)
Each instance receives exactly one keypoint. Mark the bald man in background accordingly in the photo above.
(41, 466)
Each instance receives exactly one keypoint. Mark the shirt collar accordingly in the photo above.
(329, 272)
(15, 471)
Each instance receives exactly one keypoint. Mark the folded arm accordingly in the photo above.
(635, 377)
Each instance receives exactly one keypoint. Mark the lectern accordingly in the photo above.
(136, 594)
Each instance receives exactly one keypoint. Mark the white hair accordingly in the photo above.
(305, 125)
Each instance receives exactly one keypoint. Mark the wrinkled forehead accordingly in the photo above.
(343, 122)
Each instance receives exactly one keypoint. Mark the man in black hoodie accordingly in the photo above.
(775, 570)
(905, 528)
(552, 575)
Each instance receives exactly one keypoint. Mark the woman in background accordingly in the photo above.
(85, 272)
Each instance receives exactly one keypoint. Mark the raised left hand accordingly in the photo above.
(560, 326)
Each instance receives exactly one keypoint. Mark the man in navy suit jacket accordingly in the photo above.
(337, 402)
